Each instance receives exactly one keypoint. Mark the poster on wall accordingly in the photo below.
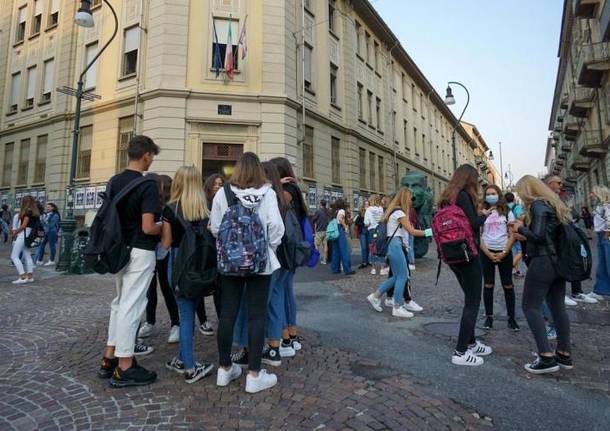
(327, 196)
(41, 197)
(98, 198)
(4, 199)
(312, 194)
(79, 199)
(90, 197)
(18, 197)
(356, 200)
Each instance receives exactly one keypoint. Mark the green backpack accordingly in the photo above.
(332, 230)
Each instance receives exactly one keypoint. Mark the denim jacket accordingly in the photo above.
(51, 223)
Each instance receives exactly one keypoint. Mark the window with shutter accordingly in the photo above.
(91, 75)
(21, 20)
(83, 162)
(362, 165)
(15, 92)
(24, 158)
(31, 86)
(131, 44)
(308, 155)
(335, 156)
(41, 156)
(47, 80)
(53, 14)
(7, 173)
(37, 17)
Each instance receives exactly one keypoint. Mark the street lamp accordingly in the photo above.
(450, 100)
(83, 18)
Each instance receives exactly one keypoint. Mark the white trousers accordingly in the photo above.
(130, 302)
(18, 248)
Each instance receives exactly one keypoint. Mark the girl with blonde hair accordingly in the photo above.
(398, 230)
(600, 197)
(545, 213)
(29, 217)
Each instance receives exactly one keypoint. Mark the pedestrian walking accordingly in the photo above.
(340, 247)
(140, 217)
(587, 219)
(546, 212)
(372, 218)
(496, 248)
(50, 224)
(320, 223)
(5, 222)
(601, 225)
(248, 226)
(362, 234)
(23, 236)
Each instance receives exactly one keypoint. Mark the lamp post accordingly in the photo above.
(450, 100)
(83, 18)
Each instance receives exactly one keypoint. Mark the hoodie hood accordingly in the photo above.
(251, 197)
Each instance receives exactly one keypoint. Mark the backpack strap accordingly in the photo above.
(231, 198)
(130, 187)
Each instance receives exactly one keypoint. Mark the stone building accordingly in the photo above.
(370, 113)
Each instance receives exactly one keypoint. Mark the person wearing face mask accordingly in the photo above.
(496, 245)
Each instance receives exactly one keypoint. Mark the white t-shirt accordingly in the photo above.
(599, 222)
(495, 230)
(372, 217)
(393, 223)
(339, 214)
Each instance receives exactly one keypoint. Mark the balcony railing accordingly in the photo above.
(581, 101)
(576, 162)
(590, 144)
(571, 128)
(586, 8)
(592, 61)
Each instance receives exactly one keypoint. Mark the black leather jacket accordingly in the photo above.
(542, 231)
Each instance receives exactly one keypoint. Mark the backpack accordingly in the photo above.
(35, 236)
(379, 238)
(453, 234)
(194, 269)
(310, 236)
(294, 251)
(574, 258)
(332, 230)
(106, 251)
(241, 244)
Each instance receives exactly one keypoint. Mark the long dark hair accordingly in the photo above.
(273, 177)
(29, 204)
(248, 172)
(208, 185)
(501, 206)
(337, 205)
(284, 168)
(466, 178)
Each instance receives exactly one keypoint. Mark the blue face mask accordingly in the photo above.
(491, 199)
(511, 205)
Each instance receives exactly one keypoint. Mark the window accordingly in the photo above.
(9, 150)
(222, 26)
(15, 92)
(358, 42)
(37, 17)
(335, 156)
(403, 85)
(125, 134)
(413, 96)
(20, 32)
(372, 165)
(395, 136)
(41, 157)
(421, 104)
(308, 54)
(31, 86)
(362, 164)
(369, 97)
(405, 132)
(308, 153)
(381, 174)
(367, 46)
(131, 44)
(47, 83)
(423, 143)
(53, 14)
(24, 158)
(333, 84)
(91, 75)
(331, 15)
(83, 162)
(360, 102)
(415, 141)
(378, 113)
(376, 55)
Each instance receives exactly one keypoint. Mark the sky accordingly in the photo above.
(504, 52)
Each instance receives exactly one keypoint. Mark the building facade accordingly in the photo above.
(370, 113)
(488, 174)
(577, 148)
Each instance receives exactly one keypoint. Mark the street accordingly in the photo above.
(358, 369)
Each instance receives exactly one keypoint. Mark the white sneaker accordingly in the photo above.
(174, 334)
(384, 271)
(373, 271)
(467, 359)
(413, 306)
(401, 312)
(596, 296)
(570, 302)
(29, 280)
(581, 297)
(49, 263)
(411, 267)
(375, 302)
(20, 281)
(480, 349)
(261, 382)
(389, 302)
(39, 263)
(287, 351)
(224, 377)
(146, 330)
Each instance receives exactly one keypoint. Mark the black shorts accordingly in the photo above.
(505, 267)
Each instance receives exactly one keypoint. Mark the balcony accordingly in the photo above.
(590, 144)
(586, 8)
(571, 128)
(563, 103)
(593, 61)
(604, 23)
(578, 163)
(581, 102)
(566, 147)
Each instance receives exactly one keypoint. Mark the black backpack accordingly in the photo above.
(106, 251)
(573, 253)
(294, 251)
(194, 271)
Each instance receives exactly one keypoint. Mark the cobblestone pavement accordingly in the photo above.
(52, 333)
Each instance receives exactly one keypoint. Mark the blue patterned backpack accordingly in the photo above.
(241, 243)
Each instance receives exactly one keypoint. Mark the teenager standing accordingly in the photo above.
(320, 223)
(340, 248)
(50, 224)
(601, 225)
(29, 216)
(372, 217)
(363, 237)
(140, 216)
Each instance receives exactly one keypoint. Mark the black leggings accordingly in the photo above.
(543, 283)
(470, 278)
(505, 267)
(201, 314)
(256, 289)
(166, 290)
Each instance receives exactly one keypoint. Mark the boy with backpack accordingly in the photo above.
(130, 216)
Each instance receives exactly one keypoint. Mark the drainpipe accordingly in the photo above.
(136, 98)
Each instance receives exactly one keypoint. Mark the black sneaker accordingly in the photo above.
(201, 371)
(141, 349)
(206, 329)
(240, 358)
(107, 367)
(542, 366)
(564, 361)
(362, 266)
(134, 376)
(489, 323)
(271, 356)
(512, 324)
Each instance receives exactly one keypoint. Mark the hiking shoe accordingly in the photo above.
(261, 382)
(146, 330)
(570, 302)
(581, 297)
(174, 335)
(489, 323)
(401, 312)
(551, 333)
(224, 377)
(512, 324)
(296, 343)
(107, 367)
(375, 302)
(271, 356)
(240, 358)
(201, 371)
(413, 306)
(141, 349)
(287, 351)
(134, 376)
(564, 361)
(206, 329)
(467, 359)
(541, 366)
(480, 349)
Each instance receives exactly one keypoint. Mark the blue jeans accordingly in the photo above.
(50, 238)
(364, 246)
(290, 300)
(186, 308)
(400, 271)
(602, 275)
(341, 254)
(411, 249)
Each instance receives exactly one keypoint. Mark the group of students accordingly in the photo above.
(238, 221)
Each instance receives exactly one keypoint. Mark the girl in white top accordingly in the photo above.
(398, 229)
(340, 248)
(372, 217)
(601, 224)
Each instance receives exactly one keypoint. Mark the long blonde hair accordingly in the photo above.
(402, 200)
(602, 193)
(531, 189)
(188, 195)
